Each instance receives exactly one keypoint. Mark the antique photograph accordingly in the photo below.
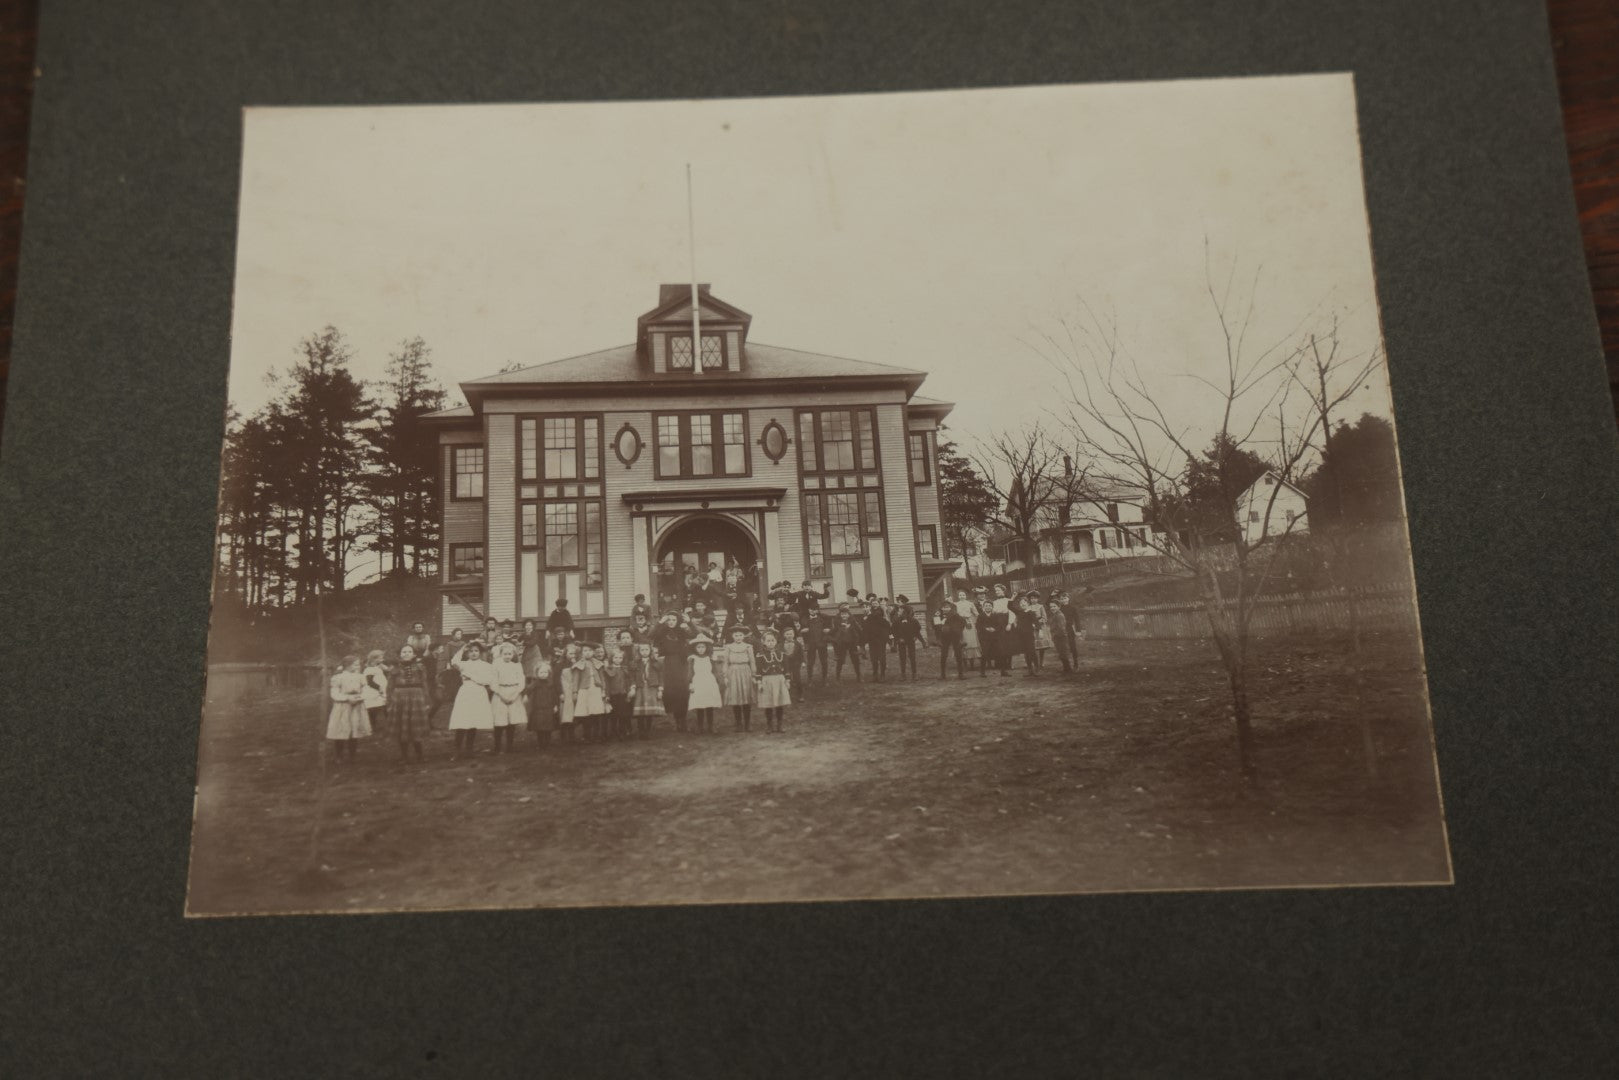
(889, 496)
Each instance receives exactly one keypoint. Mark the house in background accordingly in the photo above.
(1272, 507)
(1083, 531)
(626, 471)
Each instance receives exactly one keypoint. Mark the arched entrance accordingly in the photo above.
(688, 550)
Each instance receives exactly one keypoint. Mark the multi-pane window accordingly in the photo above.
(702, 444)
(734, 439)
(668, 446)
(918, 444)
(593, 543)
(680, 352)
(927, 541)
(843, 524)
(837, 440)
(815, 549)
(561, 534)
(560, 447)
(836, 524)
(466, 560)
(468, 467)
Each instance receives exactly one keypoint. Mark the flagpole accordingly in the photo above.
(691, 247)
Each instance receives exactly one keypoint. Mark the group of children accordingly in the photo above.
(685, 664)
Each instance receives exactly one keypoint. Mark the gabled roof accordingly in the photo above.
(1272, 473)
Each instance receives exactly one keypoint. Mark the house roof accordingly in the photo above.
(456, 412)
(1272, 473)
(918, 403)
(620, 364)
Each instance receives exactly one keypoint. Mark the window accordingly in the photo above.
(1065, 514)
(1253, 515)
(680, 352)
(838, 440)
(1113, 511)
(561, 535)
(560, 447)
(528, 447)
(1270, 481)
(927, 541)
(843, 524)
(734, 438)
(1291, 516)
(1101, 537)
(468, 466)
(816, 546)
(466, 560)
(874, 512)
(529, 525)
(593, 544)
(702, 444)
(668, 446)
(919, 458)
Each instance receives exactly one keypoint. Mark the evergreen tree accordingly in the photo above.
(966, 500)
(401, 488)
(1214, 482)
(1358, 480)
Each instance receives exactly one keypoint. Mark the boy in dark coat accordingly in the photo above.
(876, 635)
(906, 633)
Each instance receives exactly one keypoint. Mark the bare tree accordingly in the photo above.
(1120, 421)
(1032, 480)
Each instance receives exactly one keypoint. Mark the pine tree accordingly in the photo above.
(401, 488)
(966, 500)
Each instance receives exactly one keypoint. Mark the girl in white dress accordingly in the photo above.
(506, 696)
(705, 688)
(471, 713)
(348, 723)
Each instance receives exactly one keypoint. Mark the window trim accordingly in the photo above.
(455, 548)
(716, 419)
(930, 550)
(456, 474)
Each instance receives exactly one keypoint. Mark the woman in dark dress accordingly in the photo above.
(673, 645)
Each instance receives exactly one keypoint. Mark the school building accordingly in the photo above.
(619, 472)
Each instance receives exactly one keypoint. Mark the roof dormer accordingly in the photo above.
(664, 334)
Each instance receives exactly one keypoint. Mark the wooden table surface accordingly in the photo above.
(1585, 41)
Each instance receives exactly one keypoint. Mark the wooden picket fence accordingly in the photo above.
(1286, 613)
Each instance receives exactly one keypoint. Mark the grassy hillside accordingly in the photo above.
(374, 616)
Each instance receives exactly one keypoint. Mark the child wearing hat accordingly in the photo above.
(704, 688)
(774, 694)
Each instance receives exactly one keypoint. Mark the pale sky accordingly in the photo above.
(933, 230)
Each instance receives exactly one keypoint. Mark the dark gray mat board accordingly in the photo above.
(107, 490)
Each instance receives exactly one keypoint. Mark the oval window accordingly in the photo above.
(627, 445)
(773, 440)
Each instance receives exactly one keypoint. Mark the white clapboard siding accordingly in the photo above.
(532, 605)
(907, 574)
(619, 523)
(500, 499)
(452, 616)
(878, 581)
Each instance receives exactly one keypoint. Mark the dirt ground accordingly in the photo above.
(1120, 777)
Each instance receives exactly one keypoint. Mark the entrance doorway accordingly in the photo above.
(690, 555)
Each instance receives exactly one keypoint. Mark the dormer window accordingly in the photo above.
(680, 352)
